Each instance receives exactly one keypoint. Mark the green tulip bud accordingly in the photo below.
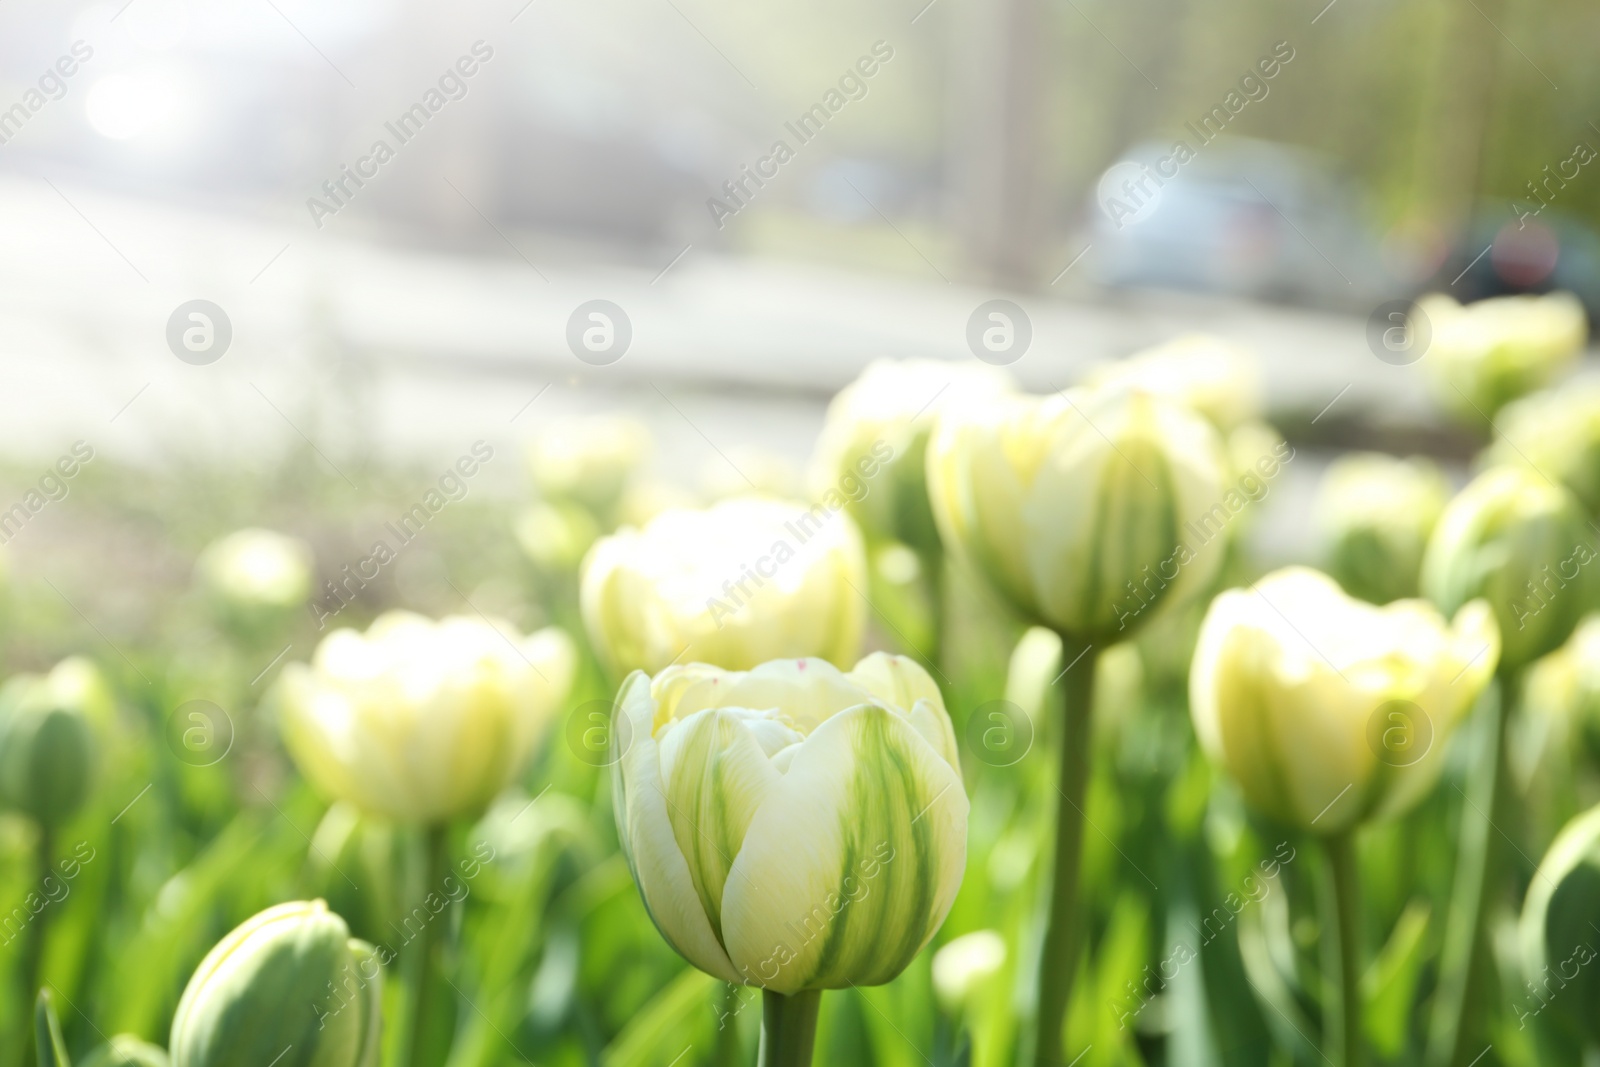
(872, 454)
(47, 752)
(125, 1050)
(1556, 432)
(1376, 514)
(1524, 546)
(1089, 510)
(287, 988)
(793, 827)
(1484, 355)
(1558, 939)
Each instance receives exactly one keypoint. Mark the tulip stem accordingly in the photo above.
(426, 970)
(1344, 954)
(1058, 963)
(1464, 959)
(33, 943)
(788, 1028)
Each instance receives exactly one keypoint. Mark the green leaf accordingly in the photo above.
(47, 1033)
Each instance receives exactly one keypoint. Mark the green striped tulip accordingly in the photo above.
(1557, 934)
(1524, 545)
(288, 987)
(793, 827)
(1205, 374)
(739, 583)
(1327, 710)
(1486, 354)
(421, 721)
(1089, 510)
(1556, 432)
(872, 453)
(1376, 513)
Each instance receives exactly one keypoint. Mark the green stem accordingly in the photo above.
(33, 939)
(427, 970)
(1464, 960)
(1063, 933)
(1344, 1022)
(788, 1028)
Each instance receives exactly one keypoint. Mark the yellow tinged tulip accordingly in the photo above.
(1486, 354)
(1206, 374)
(1327, 710)
(1084, 508)
(874, 442)
(1557, 433)
(589, 460)
(422, 721)
(252, 575)
(794, 827)
(1376, 513)
(742, 582)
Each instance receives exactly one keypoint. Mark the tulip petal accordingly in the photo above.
(853, 861)
(649, 842)
(716, 776)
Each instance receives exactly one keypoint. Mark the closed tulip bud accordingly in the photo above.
(1557, 934)
(47, 750)
(962, 966)
(1487, 354)
(1561, 692)
(1523, 545)
(1327, 710)
(740, 583)
(1089, 510)
(872, 454)
(589, 461)
(256, 576)
(793, 827)
(423, 721)
(125, 1050)
(1206, 374)
(1556, 432)
(288, 987)
(555, 536)
(1376, 513)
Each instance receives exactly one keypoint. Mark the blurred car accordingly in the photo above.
(1502, 254)
(1243, 218)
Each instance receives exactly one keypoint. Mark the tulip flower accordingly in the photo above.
(1091, 511)
(1206, 374)
(1556, 433)
(874, 442)
(1328, 711)
(287, 988)
(422, 721)
(1563, 688)
(1522, 544)
(255, 577)
(793, 827)
(1293, 680)
(1487, 354)
(589, 460)
(742, 582)
(963, 965)
(1376, 514)
(1557, 935)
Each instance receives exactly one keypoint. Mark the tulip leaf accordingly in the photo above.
(1389, 986)
(47, 1033)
